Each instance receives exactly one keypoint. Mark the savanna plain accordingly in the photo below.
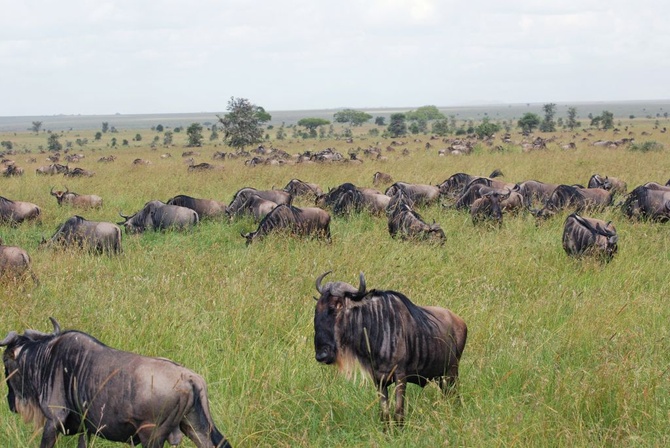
(561, 352)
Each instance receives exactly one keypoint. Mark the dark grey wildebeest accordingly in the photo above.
(307, 221)
(76, 199)
(241, 196)
(589, 236)
(574, 198)
(488, 207)
(297, 187)
(156, 215)
(608, 183)
(15, 212)
(380, 178)
(456, 183)
(205, 208)
(15, 263)
(68, 382)
(420, 194)
(256, 207)
(50, 170)
(101, 237)
(648, 203)
(391, 338)
(409, 225)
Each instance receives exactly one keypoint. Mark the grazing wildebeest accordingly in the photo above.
(205, 208)
(488, 207)
(101, 237)
(204, 166)
(142, 162)
(12, 170)
(255, 206)
(576, 198)
(608, 183)
(589, 236)
(344, 199)
(647, 203)
(76, 199)
(407, 223)
(375, 203)
(15, 262)
(470, 195)
(455, 184)
(155, 215)
(380, 178)
(68, 382)
(299, 221)
(419, 193)
(276, 196)
(79, 172)
(392, 339)
(54, 168)
(533, 190)
(14, 212)
(297, 187)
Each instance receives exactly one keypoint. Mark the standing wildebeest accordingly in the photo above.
(419, 193)
(297, 187)
(14, 212)
(155, 215)
(205, 208)
(15, 262)
(380, 178)
(76, 199)
(69, 382)
(589, 236)
(276, 196)
(101, 237)
(392, 339)
(608, 183)
(54, 168)
(255, 206)
(455, 184)
(409, 224)
(648, 203)
(489, 207)
(300, 221)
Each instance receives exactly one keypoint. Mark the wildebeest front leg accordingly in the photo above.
(49, 434)
(384, 402)
(400, 401)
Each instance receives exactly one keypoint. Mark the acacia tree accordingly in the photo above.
(398, 125)
(312, 123)
(194, 132)
(572, 122)
(53, 144)
(352, 116)
(241, 125)
(529, 121)
(548, 124)
(36, 127)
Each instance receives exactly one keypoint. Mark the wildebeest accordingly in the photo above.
(156, 215)
(647, 203)
(421, 194)
(241, 196)
(407, 223)
(297, 187)
(204, 166)
(392, 339)
(575, 198)
(488, 207)
(76, 199)
(79, 172)
(299, 221)
(101, 237)
(12, 170)
(343, 200)
(205, 208)
(455, 184)
(70, 383)
(142, 162)
(380, 178)
(54, 168)
(608, 183)
(589, 236)
(533, 190)
(14, 212)
(255, 206)
(15, 262)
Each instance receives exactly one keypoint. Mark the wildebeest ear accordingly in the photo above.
(12, 336)
(613, 239)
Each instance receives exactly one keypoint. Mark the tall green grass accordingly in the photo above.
(560, 353)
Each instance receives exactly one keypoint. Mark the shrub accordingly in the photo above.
(649, 145)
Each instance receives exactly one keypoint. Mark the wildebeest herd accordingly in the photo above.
(68, 382)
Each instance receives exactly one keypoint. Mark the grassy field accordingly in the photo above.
(560, 353)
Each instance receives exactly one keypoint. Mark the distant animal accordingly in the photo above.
(15, 212)
(12, 170)
(589, 236)
(204, 166)
(241, 196)
(79, 172)
(488, 207)
(608, 183)
(50, 170)
(15, 263)
(647, 203)
(156, 215)
(100, 237)
(308, 221)
(141, 162)
(76, 199)
(419, 193)
(255, 206)
(107, 159)
(297, 187)
(408, 224)
(380, 178)
(205, 208)
(70, 383)
(389, 337)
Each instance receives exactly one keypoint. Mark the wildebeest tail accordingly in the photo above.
(496, 173)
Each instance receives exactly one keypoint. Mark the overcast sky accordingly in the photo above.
(150, 56)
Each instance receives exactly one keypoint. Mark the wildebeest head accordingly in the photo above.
(142, 220)
(329, 306)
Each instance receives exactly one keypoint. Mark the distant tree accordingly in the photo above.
(572, 122)
(194, 132)
(607, 119)
(414, 128)
(138, 137)
(281, 132)
(425, 113)
(263, 117)
(440, 127)
(373, 132)
(167, 138)
(159, 128)
(53, 144)
(352, 116)
(98, 135)
(105, 127)
(113, 130)
(241, 126)
(486, 129)
(113, 141)
(548, 124)
(529, 121)
(215, 134)
(311, 124)
(37, 125)
(398, 126)
(380, 121)
(177, 129)
(7, 145)
(124, 142)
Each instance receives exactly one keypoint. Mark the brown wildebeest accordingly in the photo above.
(299, 221)
(76, 199)
(15, 263)
(589, 236)
(15, 212)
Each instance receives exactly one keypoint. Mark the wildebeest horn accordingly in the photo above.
(124, 216)
(318, 280)
(56, 325)
(67, 190)
(361, 284)
(11, 336)
(51, 192)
